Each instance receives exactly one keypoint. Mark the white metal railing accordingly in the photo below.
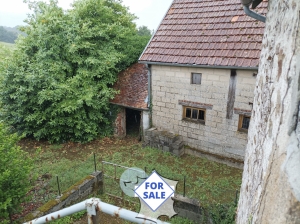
(93, 206)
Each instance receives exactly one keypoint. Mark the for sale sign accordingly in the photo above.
(154, 191)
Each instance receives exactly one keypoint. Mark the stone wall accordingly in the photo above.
(82, 189)
(120, 123)
(164, 141)
(188, 208)
(171, 85)
(183, 206)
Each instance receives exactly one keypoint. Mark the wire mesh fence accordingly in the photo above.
(50, 185)
(219, 204)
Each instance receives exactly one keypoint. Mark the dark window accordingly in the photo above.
(201, 115)
(244, 122)
(194, 114)
(188, 112)
(196, 78)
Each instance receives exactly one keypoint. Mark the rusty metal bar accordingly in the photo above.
(118, 197)
(95, 162)
(57, 180)
(93, 206)
(103, 180)
(111, 177)
(184, 180)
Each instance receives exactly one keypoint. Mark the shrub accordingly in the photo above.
(58, 84)
(15, 170)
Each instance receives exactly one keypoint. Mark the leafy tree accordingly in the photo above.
(144, 31)
(59, 82)
(15, 171)
(6, 50)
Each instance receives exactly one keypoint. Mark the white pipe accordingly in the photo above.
(59, 214)
(91, 205)
(128, 215)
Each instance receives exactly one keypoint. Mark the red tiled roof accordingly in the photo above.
(207, 32)
(133, 86)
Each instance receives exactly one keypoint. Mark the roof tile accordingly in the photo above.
(133, 86)
(207, 32)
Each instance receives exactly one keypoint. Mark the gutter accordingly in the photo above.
(246, 4)
(198, 66)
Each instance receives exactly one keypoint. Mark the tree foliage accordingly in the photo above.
(15, 171)
(144, 31)
(58, 84)
(6, 50)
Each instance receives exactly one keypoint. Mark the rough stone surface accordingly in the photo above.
(270, 188)
(188, 208)
(164, 141)
(172, 89)
(81, 190)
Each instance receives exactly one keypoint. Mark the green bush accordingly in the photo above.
(58, 84)
(222, 213)
(15, 172)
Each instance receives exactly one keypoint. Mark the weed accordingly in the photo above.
(213, 184)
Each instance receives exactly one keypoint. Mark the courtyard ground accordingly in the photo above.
(207, 181)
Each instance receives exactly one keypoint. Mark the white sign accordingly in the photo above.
(154, 191)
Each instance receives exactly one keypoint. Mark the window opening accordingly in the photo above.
(196, 78)
(194, 114)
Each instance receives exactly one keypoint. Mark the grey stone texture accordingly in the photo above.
(188, 208)
(164, 141)
(76, 193)
(171, 85)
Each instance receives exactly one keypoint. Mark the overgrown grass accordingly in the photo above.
(213, 184)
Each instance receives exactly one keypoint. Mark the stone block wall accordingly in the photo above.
(81, 190)
(164, 141)
(172, 85)
(183, 206)
(188, 208)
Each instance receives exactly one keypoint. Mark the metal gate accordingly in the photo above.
(111, 181)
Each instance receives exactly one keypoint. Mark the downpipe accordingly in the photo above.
(254, 14)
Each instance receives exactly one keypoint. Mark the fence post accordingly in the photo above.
(95, 162)
(57, 180)
(183, 186)
(236, 197)
(103, 188)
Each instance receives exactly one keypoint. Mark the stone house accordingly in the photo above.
(202, 66)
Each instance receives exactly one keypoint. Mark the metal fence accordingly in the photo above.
(48, 187)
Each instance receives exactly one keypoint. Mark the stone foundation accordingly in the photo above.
(174, 144)
(188, 208)
(164, 141)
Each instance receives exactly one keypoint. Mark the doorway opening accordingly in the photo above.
(133, 122)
